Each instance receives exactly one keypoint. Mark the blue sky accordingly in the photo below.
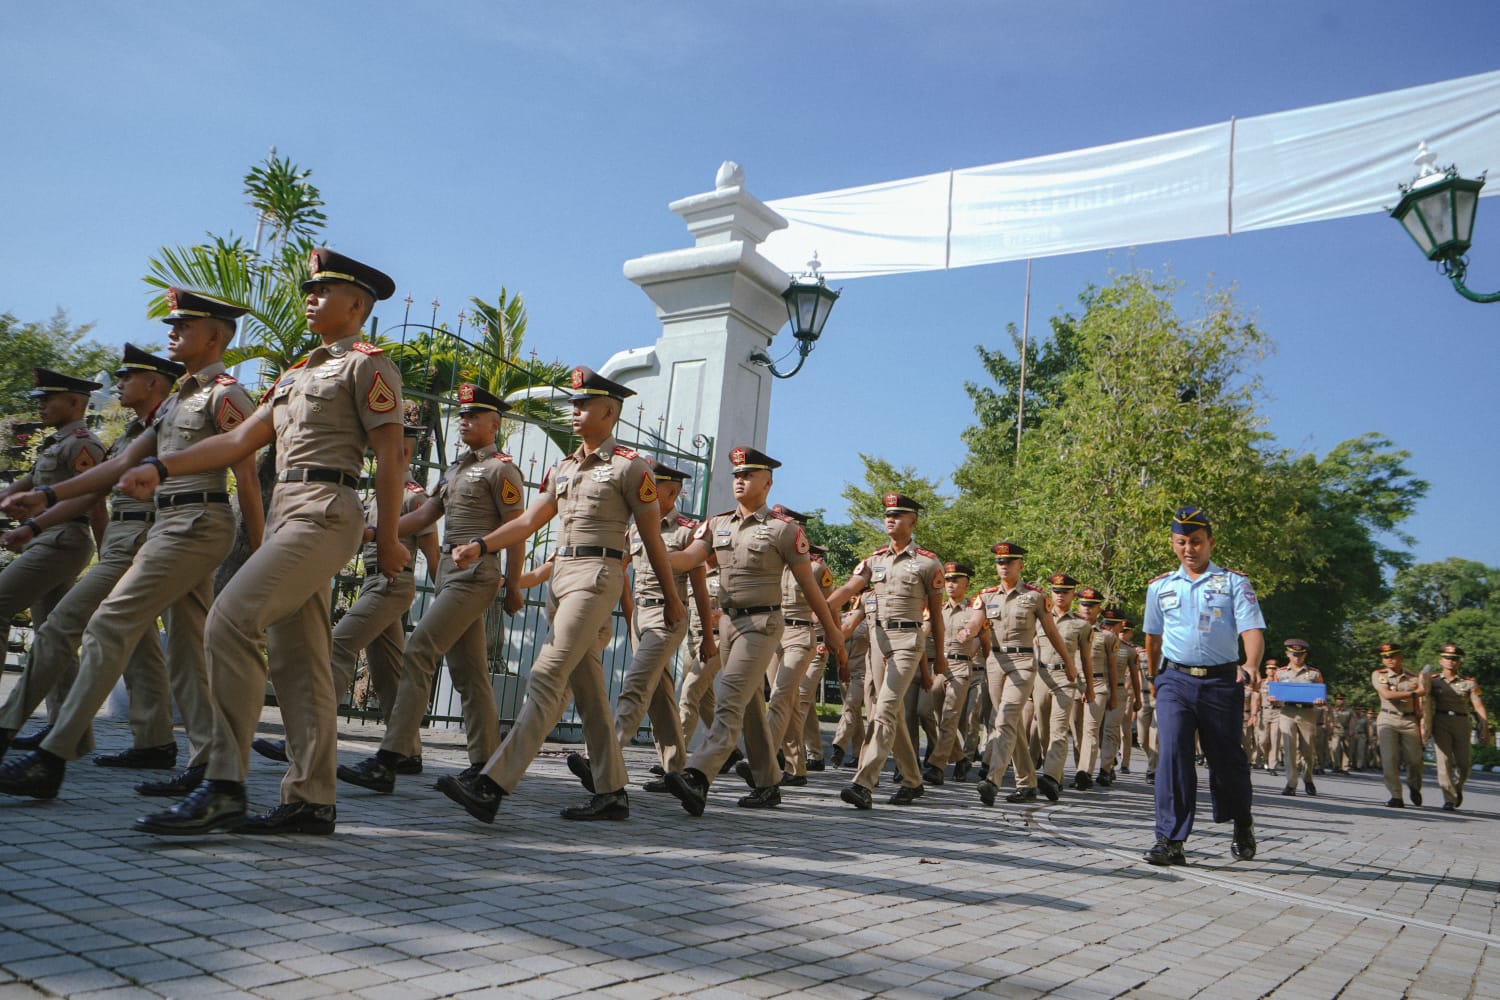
(473, 144)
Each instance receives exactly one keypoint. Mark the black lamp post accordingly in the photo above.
(1437, 210)
(809, 300)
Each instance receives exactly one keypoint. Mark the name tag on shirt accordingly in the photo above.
(1168, 600)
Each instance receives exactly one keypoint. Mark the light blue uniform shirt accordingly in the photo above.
(1200, 620)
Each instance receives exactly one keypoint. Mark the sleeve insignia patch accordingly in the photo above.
(381, 398)
(229, 416)
(509, 494)
(365, 348)
(827, 581)
(646, 493)
(84, 460)
(802, 543)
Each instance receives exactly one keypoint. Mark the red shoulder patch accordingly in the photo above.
(782, 517)
(414, 487)
(502, 456)
(295, 365)
(882, 551)
(224, 378)
(977, 602)
(686, 522)
(80, 432)
(364, 348)
(625, 452)
(1155, 578)
(927, 552)
(1032, 587)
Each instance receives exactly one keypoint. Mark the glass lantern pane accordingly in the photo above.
(807, 311)
(1436, 210)
(1465, 203)
(1412, 222)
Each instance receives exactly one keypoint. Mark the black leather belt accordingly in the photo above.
(183, 499)
(651, 602)
(800, 621)
(762, 610)
(318, 476)
(896, 625)
(132, 515)
(1010, 649)
(959, 656)
(590, 551)
(1211, 670)
(1440, 711)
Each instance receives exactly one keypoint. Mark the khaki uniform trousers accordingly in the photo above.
(53, 664)
(804, 735)
(647, 689)
(978, 712)
(850, 732)
(1337, 747)
(171, 576)
(281, 595)
(452, 625)
(1249, 739)
(1052, 699)
(1399, 745)
(1091, 756)
(1359, 748)
(1113, 739)
(955, 691)
(1145, 731)
(1453, 736)
(1299, 733)
(373, 624)
(798, 651)
(39, 577)
(584, 591)
(746, 645)
(697, 699)
(897, 656)
(1273, 727)
(1010, 678)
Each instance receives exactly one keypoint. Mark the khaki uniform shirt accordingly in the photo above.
(751, 553)
(476, 493)
(1074, 630)
(676, 534)
(794, 603)
(324, 407)
(902, 581)
(412, 497)
(67, 451)
(1392, 681)
(598, 492)
(1102, 654)
(1126, 660)
(695, 624)
(123, 502)
(208, 402)
(1452, 696)
(1012, 614)
(858, 643)
(955, 615)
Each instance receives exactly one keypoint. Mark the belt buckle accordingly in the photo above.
(1197, 671)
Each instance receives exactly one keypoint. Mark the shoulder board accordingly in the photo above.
(1233, 572)
(1155, 578)
(783, 517)
(1032, 587)
(991, 590)
(414, 487)
(625, 452)
(364, 348)
(82, 432)
(686, 522)
(294, 366)
(926, 552)
(502, 456)
(882, 551)
(224, 378)
(723, 513)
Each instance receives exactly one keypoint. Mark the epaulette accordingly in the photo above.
(1234, 571)
(884, 550)
(684, 521)
(82, 432)
(926, 552)
(364, 348)
(625, 452)
(1031, 587)
(502, 456)
(224, 378)
(990, 590)
(414, 487)
(722, 513)
(1162, 577)
(295, 365)
(784, 517)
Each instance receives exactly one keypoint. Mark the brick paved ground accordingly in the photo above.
(412, 898)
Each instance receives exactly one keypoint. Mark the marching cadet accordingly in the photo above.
(1270, 713)
(808, 754)
(596, 490)
(752, 546)
(1015, 612)
(1052, 699)
(172, 571)
(1196, 618)
(849, 737)
(795, 659)
(1125, 682)
(1145, 718)
(52, 554)
(696, 701)
(1298, 721)
(1094, 748)
(1399, 725)
(322, 413)
(373, 621)
(481, 490)
(1453, 703)
(954, 685)
(647, 689)
(142, 382)
(906, 579)
(1339, 742)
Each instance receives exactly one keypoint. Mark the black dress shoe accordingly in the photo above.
(206, 809)
(371, 773)
(734, 758)
(579, 765)
(1395, 803)
(32, 741)
(1310, 788)
(656, 785)
(479, 796)
(1022, 795)
(761, 798)
(815, 764)
(269, 749)
(1048, 786)
(1448, 807)
(857, 796)
(742, 768)
(1166, 852)
(1243, 845)
(836, 756)
(1104, 779)
(961, 769)
(408, 765)
(181, 783)
(162, 758)
(6, 735)
(472, 771)
(906, 795)
(605, 805)
(983, 772)
(658, 770)
(931, 775)
(987, 792)
(1289, 790)
(794, 781)
(293, 817)
(1416, 796)
(691, 789)
(33, 775)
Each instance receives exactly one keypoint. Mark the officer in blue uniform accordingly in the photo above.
(1196, 618)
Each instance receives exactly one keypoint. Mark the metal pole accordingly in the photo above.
(260, 224)
(1025, 338)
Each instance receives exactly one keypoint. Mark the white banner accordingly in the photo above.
(1307, 165)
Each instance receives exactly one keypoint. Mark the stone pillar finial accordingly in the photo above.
(730, 175)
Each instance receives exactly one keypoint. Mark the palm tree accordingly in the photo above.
(524, 383)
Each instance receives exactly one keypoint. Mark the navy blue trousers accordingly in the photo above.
(1213, 710)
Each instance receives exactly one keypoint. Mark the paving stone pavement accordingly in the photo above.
(412, 898)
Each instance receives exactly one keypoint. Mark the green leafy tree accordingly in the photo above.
(55, 344)
(844, 543)
(939, 526)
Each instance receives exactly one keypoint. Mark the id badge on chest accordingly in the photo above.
(1205, 621)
